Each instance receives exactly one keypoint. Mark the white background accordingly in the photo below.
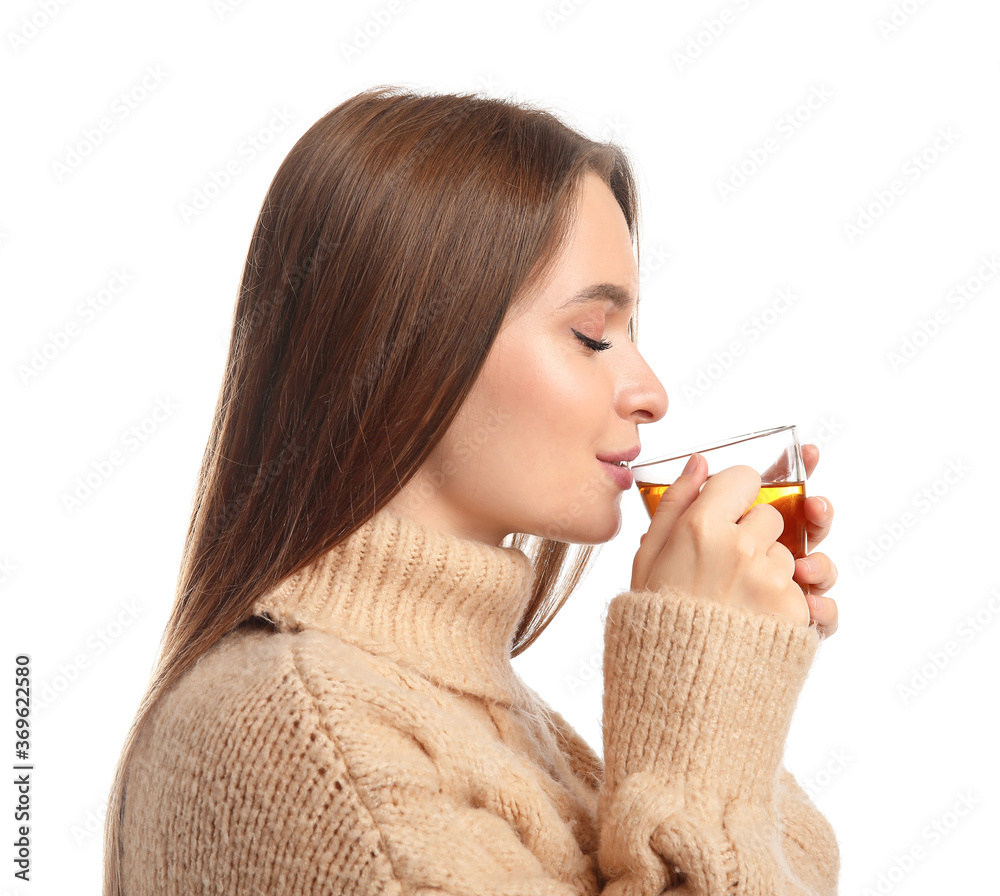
(908, 445)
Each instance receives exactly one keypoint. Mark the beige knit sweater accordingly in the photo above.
(380, 742)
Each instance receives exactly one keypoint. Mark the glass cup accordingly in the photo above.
(774, 453)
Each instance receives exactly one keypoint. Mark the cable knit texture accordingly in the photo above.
(377, 740)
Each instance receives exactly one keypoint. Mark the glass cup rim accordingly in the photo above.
(709, 446)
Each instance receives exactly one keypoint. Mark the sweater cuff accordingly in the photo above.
(700, 693)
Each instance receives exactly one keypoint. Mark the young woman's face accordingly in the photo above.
(522, 453)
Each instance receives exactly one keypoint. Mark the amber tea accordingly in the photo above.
(787, 498)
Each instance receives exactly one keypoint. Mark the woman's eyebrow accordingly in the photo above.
(621, 298)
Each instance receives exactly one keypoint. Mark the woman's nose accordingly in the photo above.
(647, 398)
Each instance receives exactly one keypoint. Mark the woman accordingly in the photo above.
(433, 350)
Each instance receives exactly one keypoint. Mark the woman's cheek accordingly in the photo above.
(589, 491)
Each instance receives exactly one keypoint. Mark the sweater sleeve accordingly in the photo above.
(698, 701)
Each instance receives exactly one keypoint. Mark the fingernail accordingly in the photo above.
(825, 508)
(810, 564)
(691, 465)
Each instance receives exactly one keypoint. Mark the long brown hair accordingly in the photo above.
(391, 243)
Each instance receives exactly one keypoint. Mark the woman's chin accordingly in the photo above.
(605, 527)
(594, 523)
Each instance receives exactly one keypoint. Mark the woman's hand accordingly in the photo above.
(817, 570)
(704, 541)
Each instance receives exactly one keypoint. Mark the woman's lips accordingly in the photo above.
(621, 475)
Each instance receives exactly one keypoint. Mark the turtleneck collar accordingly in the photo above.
(445, 606)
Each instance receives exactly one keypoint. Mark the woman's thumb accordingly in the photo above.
(673, 502)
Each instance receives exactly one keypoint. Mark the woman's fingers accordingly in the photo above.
(732, 491)
(823, 614)
(817, 572)
(819, 518)
(781, 469)
(810, 457)
(673, 503)
(766, 521)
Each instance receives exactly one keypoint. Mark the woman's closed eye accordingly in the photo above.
(597, 345)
